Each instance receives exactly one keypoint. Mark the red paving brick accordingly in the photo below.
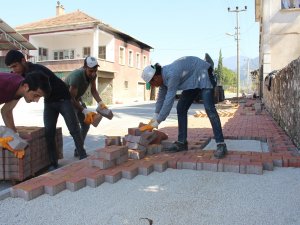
(241, 124)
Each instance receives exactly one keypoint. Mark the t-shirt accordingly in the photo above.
(9, 84)
(59, 88)
(78, 79)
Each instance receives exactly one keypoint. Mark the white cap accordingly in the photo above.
(91, 62)
(148, 73)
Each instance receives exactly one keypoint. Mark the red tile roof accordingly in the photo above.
(74, 18)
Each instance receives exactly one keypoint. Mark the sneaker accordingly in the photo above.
(178, 146)
(76, 153)
(221, 151)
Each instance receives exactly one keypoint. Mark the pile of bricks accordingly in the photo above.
(36, 155)
(143, 143)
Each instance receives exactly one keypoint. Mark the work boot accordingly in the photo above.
(83, 156)
(53, 166)
(76, 153)
(221, 151)
(178, 146)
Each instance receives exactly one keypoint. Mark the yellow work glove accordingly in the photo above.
(89, 116)
(102, 105)
(4, 143)
(150, 126)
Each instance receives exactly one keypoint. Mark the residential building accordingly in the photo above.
(64, 41)
(279, 42)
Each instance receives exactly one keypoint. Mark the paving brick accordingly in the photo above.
(96, 179)
(187, 163)
(52, 187)
(145, 168)
(101, 163)
(268, 164)
(130, 172)
(230, 166)
(160, 165)
(113, 140)
(112, 175)
(251, 168)
(134, 131)
(75, 183)
(210, 165)
(136, 154)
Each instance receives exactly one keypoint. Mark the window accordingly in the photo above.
(289, 4)
(126, 84)
(138, 60)
(43, 54)
(145, 61)
(130, 58)
(86, 52)
(102, 52)
(63, 54)
(122, 55)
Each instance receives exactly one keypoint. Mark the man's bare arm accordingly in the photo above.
(7, 114)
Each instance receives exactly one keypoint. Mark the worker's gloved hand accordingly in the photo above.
(150, 126)
(4, 143)
(154, 118)
(102, 105)
(89, 116)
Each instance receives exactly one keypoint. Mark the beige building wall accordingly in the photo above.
(279, 34)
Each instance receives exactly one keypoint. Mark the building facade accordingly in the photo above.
(279, 41)
(64, 41)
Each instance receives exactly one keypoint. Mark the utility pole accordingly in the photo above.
(237, 33)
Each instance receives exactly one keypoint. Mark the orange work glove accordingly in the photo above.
(89, 117)
(4, 143)
(150, 126)
(102, 105)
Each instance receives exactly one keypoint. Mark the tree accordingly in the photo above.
(219, 69)
(225, 76)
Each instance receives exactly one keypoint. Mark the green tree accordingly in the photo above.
(229, 79)
(219, 69)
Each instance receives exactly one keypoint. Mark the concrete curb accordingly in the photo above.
(5, 194)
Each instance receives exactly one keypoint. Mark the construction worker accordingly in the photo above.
(192, 75)
(58, 102)
(13, 87)
(78, 82)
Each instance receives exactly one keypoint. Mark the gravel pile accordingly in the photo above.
(174, 197)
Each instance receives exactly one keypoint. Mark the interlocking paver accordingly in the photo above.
(240, 124)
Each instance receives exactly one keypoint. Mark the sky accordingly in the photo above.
(174, 28)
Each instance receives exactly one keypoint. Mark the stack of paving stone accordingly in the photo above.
(143, 143)
(109, 156)
(36, 155)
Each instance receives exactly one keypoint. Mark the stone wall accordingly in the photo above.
(283, 99)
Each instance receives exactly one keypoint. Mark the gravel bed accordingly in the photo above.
(174, 197)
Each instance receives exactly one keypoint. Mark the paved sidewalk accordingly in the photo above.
(242, 125)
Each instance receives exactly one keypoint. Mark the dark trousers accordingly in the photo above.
(184, 103)
(51, 113)
(84, 128)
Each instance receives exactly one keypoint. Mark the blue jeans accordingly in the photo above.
(51, 113)
(184, 103)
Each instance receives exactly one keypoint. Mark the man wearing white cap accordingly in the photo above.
(192, 75)
(78, 82)
(58, 102)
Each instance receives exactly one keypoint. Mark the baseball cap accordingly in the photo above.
(148, 73)
(91, 62)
